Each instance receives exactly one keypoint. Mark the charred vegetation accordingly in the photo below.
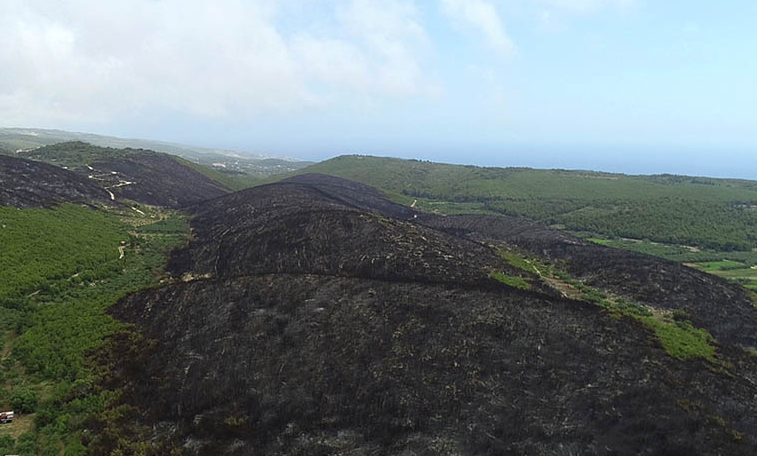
(317, 317)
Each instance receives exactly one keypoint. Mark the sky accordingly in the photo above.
(635, 86)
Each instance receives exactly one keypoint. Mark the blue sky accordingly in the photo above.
(634, 86)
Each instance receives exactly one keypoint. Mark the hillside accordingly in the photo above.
(231, 163)
(315, 317)
(140, 175)
(719, 214)
(28, 183)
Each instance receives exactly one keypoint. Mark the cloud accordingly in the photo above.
(377, 52)
(482, 16)
(78, 60)
(586, 6)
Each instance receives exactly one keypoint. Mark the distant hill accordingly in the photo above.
(141, 175)
(256, 165)
(711, 213)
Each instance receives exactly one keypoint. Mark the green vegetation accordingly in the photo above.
(742, 273)
(681, 340)
(65, 271)
(677, 253)
(75, 153)
(712, 213)
(511, 281)
(41, 248)
(518, 261)
(673, 330)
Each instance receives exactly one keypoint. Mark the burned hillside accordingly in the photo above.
(27, 183)
(316, 317)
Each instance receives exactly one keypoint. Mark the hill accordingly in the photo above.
(28, 183)
(140, 175)
(314, 316)
(231, 163)
(719, 214)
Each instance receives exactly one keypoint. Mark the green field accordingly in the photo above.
(62, 270)
(732, 270)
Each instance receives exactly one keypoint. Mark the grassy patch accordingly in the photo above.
(675, 333)
(21, 424)
(681, 340)
(722, 265)
(518, 261)
(734, 271)
(511, 281)
(173, 224)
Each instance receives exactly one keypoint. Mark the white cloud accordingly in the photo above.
(378, 51)
(71, 60)
(483, 16)
(585, 6)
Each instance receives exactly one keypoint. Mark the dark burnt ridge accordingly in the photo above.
(327, 320)
(27, 183)
(301, 228)
(354, 194)
(153, 178)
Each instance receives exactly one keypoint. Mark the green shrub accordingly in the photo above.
(681, 340)
(511, 281)
(24, 400)
(7, 444)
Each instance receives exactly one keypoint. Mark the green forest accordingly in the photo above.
(64, 270)
(75, 153)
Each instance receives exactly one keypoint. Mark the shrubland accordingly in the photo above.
(62, 271)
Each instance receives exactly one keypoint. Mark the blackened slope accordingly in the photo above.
(505, 228)
(27, 183)
(354, 194)
(724, 309)
(299, 364)
(154, 178)
(373, 335)
(301, 228)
